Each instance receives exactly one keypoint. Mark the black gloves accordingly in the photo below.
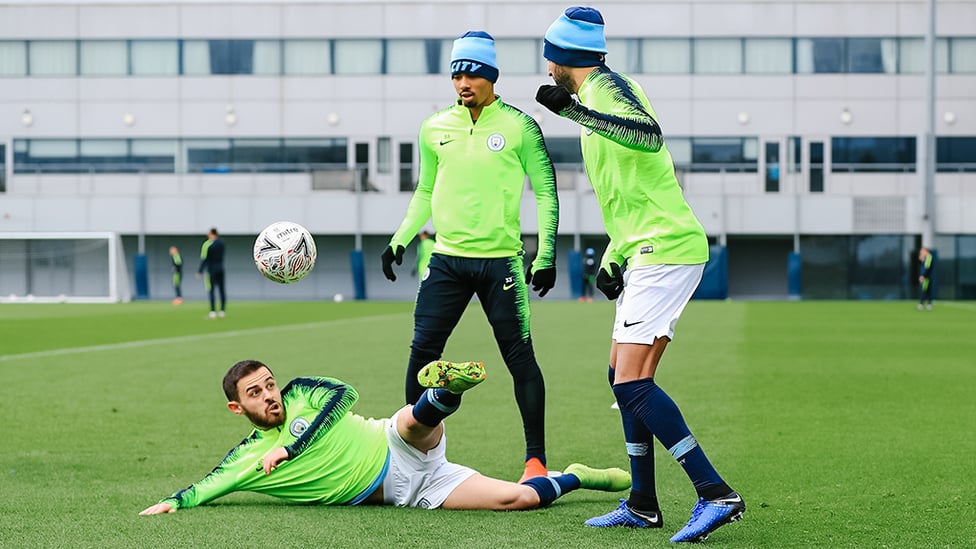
(612, 283)
(389, 256)
(543, 279)
(554, 98)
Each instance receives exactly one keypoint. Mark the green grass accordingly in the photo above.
(843, 424)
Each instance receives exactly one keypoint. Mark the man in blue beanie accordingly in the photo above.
(474, 157)
(654, 237)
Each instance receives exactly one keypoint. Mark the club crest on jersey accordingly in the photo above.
(496, 142)
(298, 426)
(587, 131)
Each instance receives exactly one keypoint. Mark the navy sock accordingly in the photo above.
(640, 450)
(434, 405)
(660, 415)
(550, 488)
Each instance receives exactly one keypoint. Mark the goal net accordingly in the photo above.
(63, 267)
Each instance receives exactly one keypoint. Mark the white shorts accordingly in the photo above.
(653, 298)
(416, 479)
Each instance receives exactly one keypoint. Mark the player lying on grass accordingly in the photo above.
(308, 447)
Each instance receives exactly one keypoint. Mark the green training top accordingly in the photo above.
(425, 247)
(644, 211)
(334, 454)
(471, 181)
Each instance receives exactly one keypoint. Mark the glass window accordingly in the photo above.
(231, 56)
(564, 150)
(717, 55)
(872, 55)
(267, 57)
(46, 156)
(518, 56)
(880, 268)
(772, 167)
(872, 154)
(666, 56)
(819, 55)
(624, 54)
(155, 57)
(912, 57)
(794, 151)
(308, 57)
(154, 155)
(825, 264)
(447, 46)
(196, 57)
(816, 167)
(314, 152)
(409, 57)
(13, 59)
(714, 154)
(3, 168)
(359, 56)
(406, 166)
(53, 58)
(208, 155)
(955, 154)
(963, 55)
(680, 149)
(106, 155)
(384, 152)
(256, 155)
(769, 55)
(104, 58)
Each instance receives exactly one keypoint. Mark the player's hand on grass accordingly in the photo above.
(274, 459)
(612, 283)
(542, 281)
(389, 257)
(158, 509)
(554, 98)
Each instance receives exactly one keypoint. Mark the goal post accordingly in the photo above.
(63, 267)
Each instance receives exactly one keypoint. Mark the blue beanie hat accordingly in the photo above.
(576, 38)
(474, 53)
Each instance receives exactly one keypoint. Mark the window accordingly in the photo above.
(104, 58)
(816, 167)
(13, 59)
(3, 168)
(565, 150)
(912, 57)
(207, 155)
(819, 55)
(154, 155)
(155, 57)
(305, 154)
(963, 55)
(46, 156)
(768, 55)
(716, 154)
(772, 167)
(624, 54)
(256, 155)
(267, 58)
(955, 154)
(384, 150)
(879, 268)
(871, 55)
(358, 57)
(406, 166)
(872, 154)
(666, 56)
(518, 56)
(105, 156)
(53, 58)
(717, 55)
(411, 57)
(680, 149)
(308, 57)
(794, 150)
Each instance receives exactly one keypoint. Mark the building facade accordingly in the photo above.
(797, 128)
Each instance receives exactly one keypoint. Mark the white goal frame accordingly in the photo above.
(116, 270)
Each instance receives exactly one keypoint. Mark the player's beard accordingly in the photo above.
(265, 419)
(563, 80)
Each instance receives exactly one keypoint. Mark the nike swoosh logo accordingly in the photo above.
(507, 287)
(446, 142)
(626, 325)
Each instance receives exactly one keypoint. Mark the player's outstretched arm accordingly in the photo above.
(158, 509)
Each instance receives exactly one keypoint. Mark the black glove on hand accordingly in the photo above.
(543, 279)
(612, 283)
(554, 98)
(389, 256)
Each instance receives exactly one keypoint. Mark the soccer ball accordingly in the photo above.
(284, 252)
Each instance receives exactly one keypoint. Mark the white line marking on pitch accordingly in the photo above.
(183, 339)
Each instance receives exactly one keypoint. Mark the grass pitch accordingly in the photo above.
(843, 424)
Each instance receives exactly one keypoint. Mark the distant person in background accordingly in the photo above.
(425, 247)
(212, 261)
(590, 267)
(177, 263)
(926, 265)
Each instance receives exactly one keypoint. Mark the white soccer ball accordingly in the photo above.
(284, 252)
